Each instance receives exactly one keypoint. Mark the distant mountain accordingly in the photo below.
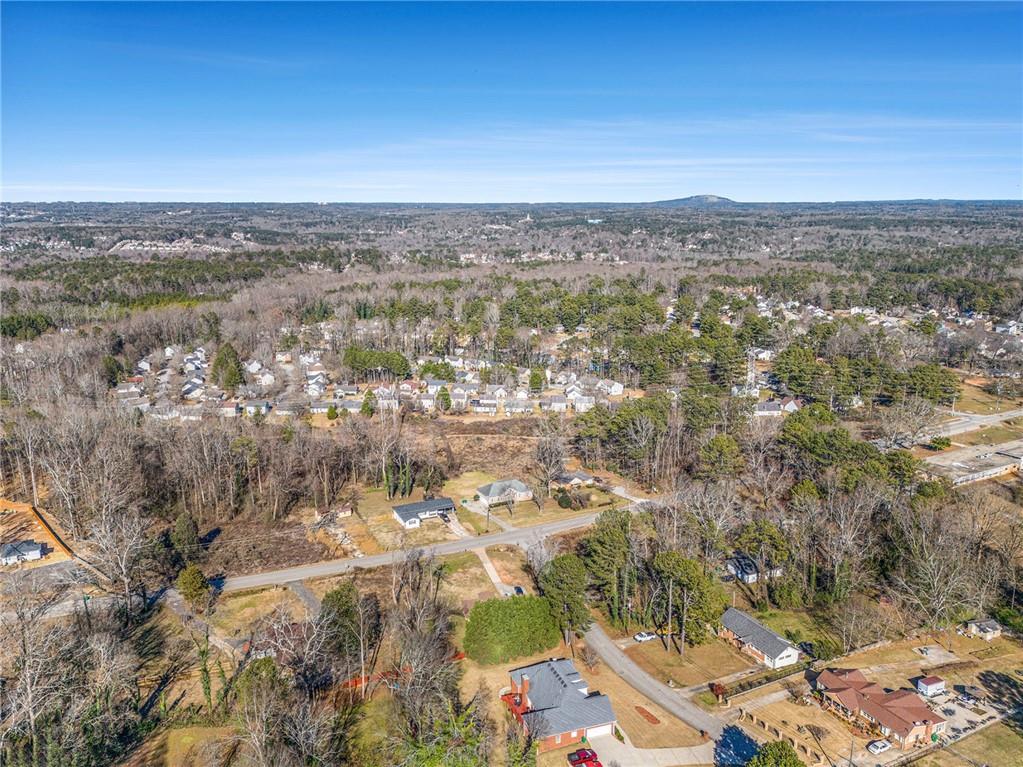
(697, 201)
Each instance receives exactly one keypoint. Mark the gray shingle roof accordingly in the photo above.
(559, 699)
(19, 548)
(429, 507)
(754, 633)
(502, 486)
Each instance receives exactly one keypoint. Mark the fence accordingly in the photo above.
(816, 757)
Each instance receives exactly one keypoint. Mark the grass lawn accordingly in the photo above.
(236, 613)
(526, 514)
(988, 665)
(973, 399)
(465, 580)
(644, 734)
(998, 744)
(510, 563)
(376, 509)
(990, 435)
(463, 487)
(795, 625)
(703, 663)
(471, 520)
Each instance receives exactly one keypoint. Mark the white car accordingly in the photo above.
(878, 746)
(644, 636)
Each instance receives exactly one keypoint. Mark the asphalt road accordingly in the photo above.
(522, 536)
(965, 422)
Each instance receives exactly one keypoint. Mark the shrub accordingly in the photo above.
(501, 629)
(194, 587)
(565, 501)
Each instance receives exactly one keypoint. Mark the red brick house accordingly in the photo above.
(902, 715)
(554, 705)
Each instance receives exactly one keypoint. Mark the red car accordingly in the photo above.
(584, 757)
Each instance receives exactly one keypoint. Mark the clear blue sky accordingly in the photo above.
(511, 102)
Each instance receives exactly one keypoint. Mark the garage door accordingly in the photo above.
(604, 729)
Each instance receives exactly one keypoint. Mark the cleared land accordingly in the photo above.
(973, 398)
(236, 614)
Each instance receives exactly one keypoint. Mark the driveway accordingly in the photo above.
(612, 751)
(659, 693)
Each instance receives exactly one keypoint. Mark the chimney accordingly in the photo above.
(525, 686)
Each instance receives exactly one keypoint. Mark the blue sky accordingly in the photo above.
(511, 102)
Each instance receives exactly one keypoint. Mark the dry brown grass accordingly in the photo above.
(700, 664)
(237, 614)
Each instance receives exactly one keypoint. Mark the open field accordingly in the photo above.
(185, 746)
(701, 664)
(973, 398)
(237, 613)
(463, 487)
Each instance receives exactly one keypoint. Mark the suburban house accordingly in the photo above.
(260, 406)
(554, 404)
(987, 629)
(411, 515)
(584, 404)
(929, 686)
(504, 491)
(611, 388)
(553, 703)
(573, 479)
(776, 407)
(743, 568)
(20, 551)
(901, 716)
(754, 638)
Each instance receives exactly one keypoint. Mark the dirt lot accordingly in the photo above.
(18, 523)
(246, 545)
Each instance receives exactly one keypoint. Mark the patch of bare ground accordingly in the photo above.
(246, 546)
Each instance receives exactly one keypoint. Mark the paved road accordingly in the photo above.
(664, 696)
(521, 536)
(964, 422)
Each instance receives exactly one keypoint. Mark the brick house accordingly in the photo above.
(553, 703)
(901, 716)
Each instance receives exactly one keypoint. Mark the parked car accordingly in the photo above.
(644, 636)
(444, 517)
(807, 648)
(519, 591)
(878, 746)
(584, 757)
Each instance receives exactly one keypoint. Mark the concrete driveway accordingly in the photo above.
(611, 750)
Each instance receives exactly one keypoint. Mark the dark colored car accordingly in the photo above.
(519, 591)
(584, 757)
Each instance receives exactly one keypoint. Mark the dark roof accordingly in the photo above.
(754, 633)
(420, 508)
(559, 699)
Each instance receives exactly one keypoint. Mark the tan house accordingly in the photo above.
(901, 716)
